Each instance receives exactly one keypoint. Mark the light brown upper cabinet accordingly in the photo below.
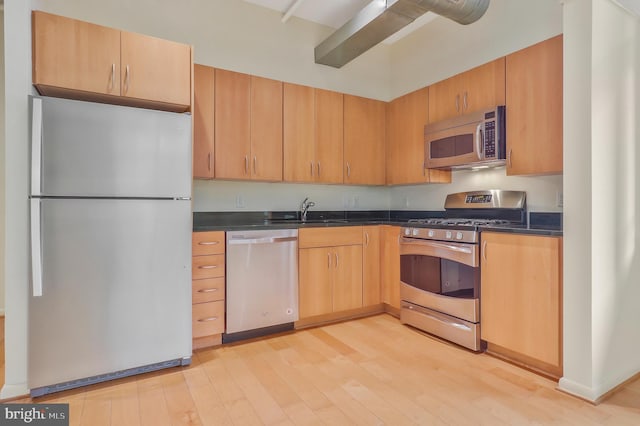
(203, 121)
(266, 129)
(313, 132)
(329, 130)
(406, 118)
(79, 60)
(534, 109)
(248, 127)
(299, 133)
(155, 69)
(364, 141)
(473, 90)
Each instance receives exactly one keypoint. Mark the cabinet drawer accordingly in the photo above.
(207, 290)
(208, 319)
(210, 266)
(204, 243)
(329, 237)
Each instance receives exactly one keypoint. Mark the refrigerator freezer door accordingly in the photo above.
(98, 150)
(116, 287)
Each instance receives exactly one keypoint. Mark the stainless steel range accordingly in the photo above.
(440, 263)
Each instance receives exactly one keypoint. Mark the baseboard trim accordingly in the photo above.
(338, 316)
(14, 392)
(594, 395)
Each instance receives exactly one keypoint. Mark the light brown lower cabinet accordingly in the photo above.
(208, 288)
(390, 267)
(521, 299)
(333, 266)
(371, 291)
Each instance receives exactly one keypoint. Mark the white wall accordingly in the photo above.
(602, 337)
(223, 196)
(17, 87)
(444, 48)
(2, 161)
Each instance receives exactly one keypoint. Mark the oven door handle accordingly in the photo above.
(453, 247)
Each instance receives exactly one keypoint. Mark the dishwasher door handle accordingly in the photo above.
(265, 240)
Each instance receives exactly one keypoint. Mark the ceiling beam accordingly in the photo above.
(291, 10)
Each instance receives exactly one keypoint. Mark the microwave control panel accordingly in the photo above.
(494, 130)
(490, 139)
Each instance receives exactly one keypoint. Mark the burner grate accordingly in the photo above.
(460, 221)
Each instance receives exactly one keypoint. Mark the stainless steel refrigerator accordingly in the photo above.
(110, 242)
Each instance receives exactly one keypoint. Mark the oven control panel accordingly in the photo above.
(461, 236)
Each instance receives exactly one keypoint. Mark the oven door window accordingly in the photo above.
(440, 276)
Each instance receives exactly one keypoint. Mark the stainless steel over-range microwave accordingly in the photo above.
(467, 141)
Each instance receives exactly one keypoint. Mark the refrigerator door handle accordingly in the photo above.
(36, 248)
(36, 146)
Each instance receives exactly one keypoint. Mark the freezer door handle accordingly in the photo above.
(36, 250)
(36, 145)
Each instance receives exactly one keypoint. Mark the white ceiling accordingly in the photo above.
(335, 13)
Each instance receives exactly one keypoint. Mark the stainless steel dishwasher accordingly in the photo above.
(262, 282)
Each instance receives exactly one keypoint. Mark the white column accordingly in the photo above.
(17, 54)
(601, 205)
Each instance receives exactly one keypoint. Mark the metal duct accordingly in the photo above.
(381, 18)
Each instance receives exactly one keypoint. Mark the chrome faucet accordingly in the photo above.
(304, 208)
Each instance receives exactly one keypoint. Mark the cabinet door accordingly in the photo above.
(390, 265)
(347, 282)
(315, 281)
(364, 140)
(155, 69)
(299, 113)
(479, 88)
(521, 296)
(329, 136)
(232, 128)
(266, 129)
(406, 117)
(203, 100)
(483, 87)
(444, 99)
(74, 55)
(534, 109)
(371, 291)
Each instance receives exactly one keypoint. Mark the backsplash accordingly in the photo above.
(260, 196)
(543, 193)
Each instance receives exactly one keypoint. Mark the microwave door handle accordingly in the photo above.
(479, 142)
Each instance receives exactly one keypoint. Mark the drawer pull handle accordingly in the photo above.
(208, 243)
(208, 319)
(207, 267)
(207, 290)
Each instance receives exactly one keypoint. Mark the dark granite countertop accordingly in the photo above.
(539, 223)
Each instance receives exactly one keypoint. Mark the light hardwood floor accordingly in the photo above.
(366, 372)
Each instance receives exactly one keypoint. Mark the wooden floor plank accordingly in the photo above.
(152, 403)
(367, 371)
(180, 405)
